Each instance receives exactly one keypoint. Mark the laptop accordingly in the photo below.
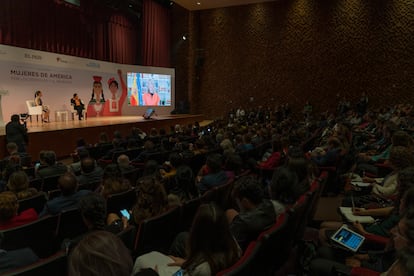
(348, 238)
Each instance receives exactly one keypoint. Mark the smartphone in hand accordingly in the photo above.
(126, 214)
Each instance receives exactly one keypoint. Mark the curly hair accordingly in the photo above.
(93, 209)
(8, 206)
(19, 184)
(401, 158)
(151, 199)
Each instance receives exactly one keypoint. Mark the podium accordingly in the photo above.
(2, 93)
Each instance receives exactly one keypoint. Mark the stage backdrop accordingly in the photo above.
(24, 71)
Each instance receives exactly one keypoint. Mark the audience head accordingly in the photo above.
(152, 168)
(151, 199)
(214, 162)
(93, 210)
(8, 206)
(248, 192)
(49, 157)
(82, 153)
(210, 239)
(401, 158)
(68, 184)
(112, 171)
(402, 138)
(185, 180)
(12, 147)
(15, 118)
(284, 186)
(18, 183)
(88, 165)
(123, 161)
(100, 253)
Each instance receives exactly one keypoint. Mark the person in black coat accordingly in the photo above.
(17, 133)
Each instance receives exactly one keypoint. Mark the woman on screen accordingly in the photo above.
(113, 106)
(151, 97)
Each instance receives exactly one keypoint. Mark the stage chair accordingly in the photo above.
(74, 113)
(34, 110)
(55, 265)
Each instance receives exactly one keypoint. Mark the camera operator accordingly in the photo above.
(17, 132)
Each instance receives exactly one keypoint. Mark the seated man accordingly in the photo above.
(124, 164)
(90, 172)
(211, 174)
(256, 213)
(15, 258)
(51, 167)
(68, 184)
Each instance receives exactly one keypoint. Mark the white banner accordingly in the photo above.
(25, 71)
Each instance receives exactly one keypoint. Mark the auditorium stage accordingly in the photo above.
(61, 136)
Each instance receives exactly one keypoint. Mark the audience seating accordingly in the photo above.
(132, 176)
(124, 200)
(188, 210)
(70, 225)
(50, 183)
(36, 183)
(55, 265)
(267, 254)
(127, 236)
(246, 265)
(38, 235)
(157, 233)
(53, 193)
(36, 202)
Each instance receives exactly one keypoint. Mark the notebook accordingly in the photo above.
(348, 238)
(347, 213)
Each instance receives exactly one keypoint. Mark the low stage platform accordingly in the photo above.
(61, 136)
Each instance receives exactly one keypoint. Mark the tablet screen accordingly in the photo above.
(348, 238)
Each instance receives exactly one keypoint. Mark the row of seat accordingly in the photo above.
(271, 251)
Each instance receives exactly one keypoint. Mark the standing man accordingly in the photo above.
(17, 133)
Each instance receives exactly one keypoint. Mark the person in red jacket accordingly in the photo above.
(9, 218)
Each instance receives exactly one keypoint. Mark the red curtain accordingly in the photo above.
(156, 34)
(91, 31)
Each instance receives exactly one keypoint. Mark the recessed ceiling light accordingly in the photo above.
(199, 3)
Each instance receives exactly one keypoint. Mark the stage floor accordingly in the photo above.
(38, 126)
(62, 136)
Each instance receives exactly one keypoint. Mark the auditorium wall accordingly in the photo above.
(297, 50)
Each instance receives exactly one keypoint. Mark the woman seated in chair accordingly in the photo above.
(38, 102)
(78, 105)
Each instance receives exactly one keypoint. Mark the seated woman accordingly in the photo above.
(113, 182)
(78, 105)
(211, 247)
(9, 218)
(38, 102)
(392, 261)
(19, 184)
(100, 253)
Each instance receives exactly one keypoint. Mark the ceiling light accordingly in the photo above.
(198, 3)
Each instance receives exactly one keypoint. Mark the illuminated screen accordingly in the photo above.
(148, 89)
